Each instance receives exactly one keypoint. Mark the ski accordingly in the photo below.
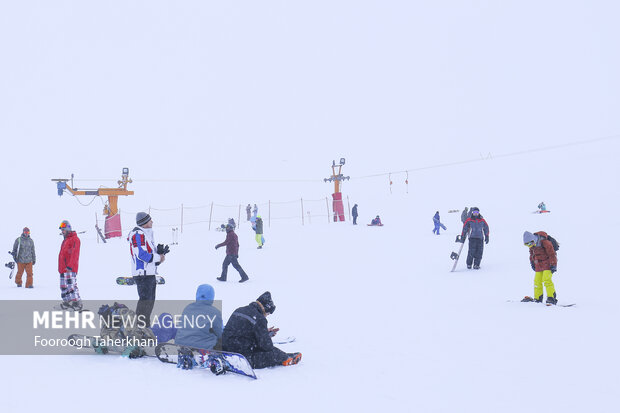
(131, 281)
(217, 361)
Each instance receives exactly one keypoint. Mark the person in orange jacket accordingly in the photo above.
(544, 262)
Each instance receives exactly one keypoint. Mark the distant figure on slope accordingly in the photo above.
(255, 211)
(438, 224)
(354, 213)
(376, 221)
(478, 230)
(232, 254)
(202, 324)
(542, 207)
(25, 257)
(246, 333)
(544, 262)
(464, 215)
(258, 228)
(248, 211)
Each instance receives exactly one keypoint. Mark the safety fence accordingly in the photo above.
(212, 216)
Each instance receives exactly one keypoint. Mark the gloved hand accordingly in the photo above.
(533, 266)
(217, 246)
(486, 240)
(163, 249)
(553, 269)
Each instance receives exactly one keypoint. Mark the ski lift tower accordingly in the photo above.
(110, 209)
(337, 178)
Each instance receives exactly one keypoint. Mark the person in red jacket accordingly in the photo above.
(232, 253)
(68, 261)
(544, 262)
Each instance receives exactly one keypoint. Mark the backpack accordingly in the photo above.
(554, 242)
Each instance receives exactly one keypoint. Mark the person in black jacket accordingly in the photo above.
(246, 333)
(354, 212)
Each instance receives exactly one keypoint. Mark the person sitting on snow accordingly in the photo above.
(376, 221)
(206, 329)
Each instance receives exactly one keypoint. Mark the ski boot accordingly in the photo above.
(186, 359)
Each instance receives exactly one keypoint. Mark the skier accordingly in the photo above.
(145, 257)
(248, 211)
(464, 215)
(232, 254)
(25, 257)
(478, 230)
(68, 261)
(376, 221)
(246, 333)
(202, 326)
(438, 224)
(544, 262)
(354, 212)
(258, 228)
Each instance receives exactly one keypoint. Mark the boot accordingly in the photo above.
(293, 358)
(244, 279)
(551, 301)
(221, 278)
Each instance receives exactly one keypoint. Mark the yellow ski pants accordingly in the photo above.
(543, 278)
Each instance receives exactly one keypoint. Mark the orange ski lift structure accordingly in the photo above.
(110, 209)
(337, 177)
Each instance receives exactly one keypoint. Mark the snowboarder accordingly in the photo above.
(478, 230)
(376, 221)
(25, 257)
(354, 212)
(258, 228)
(438, 224)
(232, 254)
(542, 207)
(248, 211)
(68, 261)
(145, 258)
(246, 333)
(544, 262)
(203, 325)
(464, 215)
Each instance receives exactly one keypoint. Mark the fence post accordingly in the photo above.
(210, 215)
(181, 218)
(348, 208)
(269, 213)
(302, 211)
(239, 216)
(327, 205)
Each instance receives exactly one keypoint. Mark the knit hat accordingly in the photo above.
(142, 218)
(65, 225)
(205, 292)
(529, 237)
(26, 230)
(267, 302)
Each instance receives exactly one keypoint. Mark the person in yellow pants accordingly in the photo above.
(544, 262)
(259, 232)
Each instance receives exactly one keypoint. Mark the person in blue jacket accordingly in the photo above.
(438, 224)
(201, 324)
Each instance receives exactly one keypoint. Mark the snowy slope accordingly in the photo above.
(237, 102)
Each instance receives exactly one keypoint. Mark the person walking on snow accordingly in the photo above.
(25, 257)
(246, 333)
(478, 230)
(258, 228)
(255, 211)
(438, 224)
(354, 212)
(232, 254)
(68, 262)
(145, 258)
(248, 211)
(544, 262)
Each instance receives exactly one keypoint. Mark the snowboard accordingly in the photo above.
(547, 305)
(11, 265)
(232, 362)
(371, 225)
(130, 280)
(81, 341)
(541, 212)
(455, 255)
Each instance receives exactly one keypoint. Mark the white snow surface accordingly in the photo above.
(213, 102)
